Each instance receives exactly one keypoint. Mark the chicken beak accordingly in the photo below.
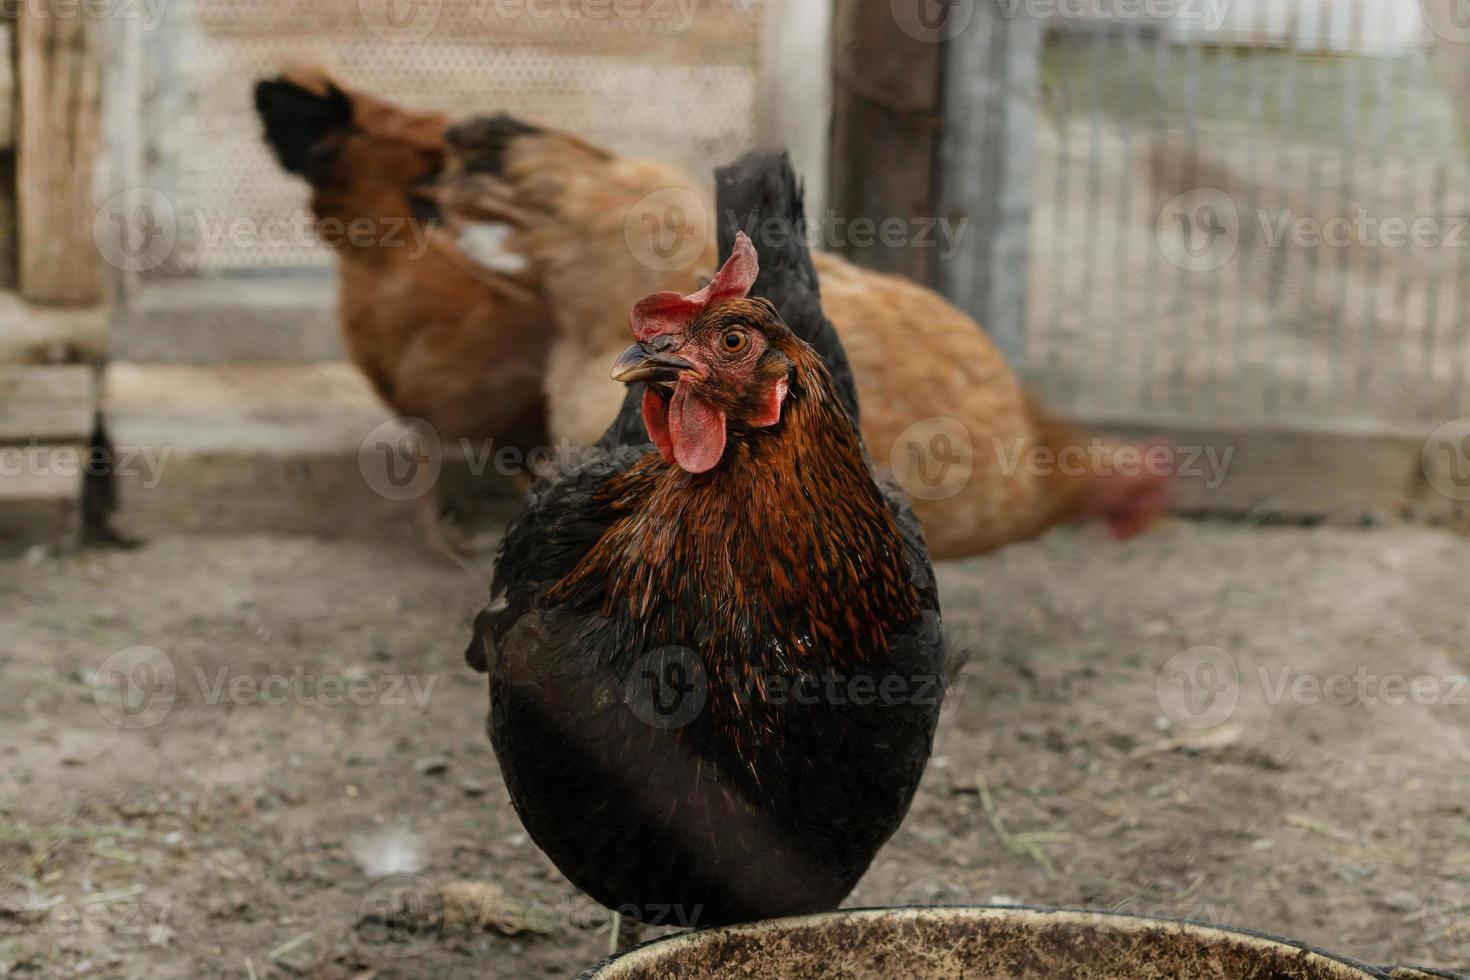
(641, 363)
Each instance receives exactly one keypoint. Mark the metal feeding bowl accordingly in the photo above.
(976, 943)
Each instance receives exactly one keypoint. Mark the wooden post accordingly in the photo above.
(124, 140)
(992, 82)
(46, 420)
(8, 229)
(885, 124)
(58, 57)
(795, 111)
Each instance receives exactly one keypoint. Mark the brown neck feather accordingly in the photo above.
(788, 531)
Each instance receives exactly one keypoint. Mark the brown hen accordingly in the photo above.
(441, 338)
(601, 230)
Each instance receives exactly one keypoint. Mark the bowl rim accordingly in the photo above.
(693, 936)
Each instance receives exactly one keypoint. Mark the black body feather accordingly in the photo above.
(640, 730)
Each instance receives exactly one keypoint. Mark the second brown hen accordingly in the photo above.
(986, 464)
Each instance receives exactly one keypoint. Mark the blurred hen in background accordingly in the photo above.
(442, 339)
(512, 195)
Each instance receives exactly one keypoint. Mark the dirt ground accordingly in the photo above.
(1259, 727)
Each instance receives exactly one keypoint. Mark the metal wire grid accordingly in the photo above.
(1343, 119)
(654, 84)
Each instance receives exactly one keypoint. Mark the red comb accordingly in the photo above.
(668, 312)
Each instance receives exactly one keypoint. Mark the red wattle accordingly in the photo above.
(697, 431)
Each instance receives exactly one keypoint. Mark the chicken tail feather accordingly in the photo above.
(760, 195)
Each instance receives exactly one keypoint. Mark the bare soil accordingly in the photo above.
(318, 758)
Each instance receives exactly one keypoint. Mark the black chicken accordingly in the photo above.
(716, 662)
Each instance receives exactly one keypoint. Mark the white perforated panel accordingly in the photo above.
(675, 79)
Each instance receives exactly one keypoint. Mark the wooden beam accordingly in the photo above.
(1298, 469)
(46, 404)
(219, 321)
(885, 127)
(59, 65)
(46, 419)
(41, 492)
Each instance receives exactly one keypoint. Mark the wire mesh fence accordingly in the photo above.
(1260, 219)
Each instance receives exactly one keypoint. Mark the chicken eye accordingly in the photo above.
(734, 341)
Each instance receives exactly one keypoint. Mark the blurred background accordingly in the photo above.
(1239, 226)
(1237, 221)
